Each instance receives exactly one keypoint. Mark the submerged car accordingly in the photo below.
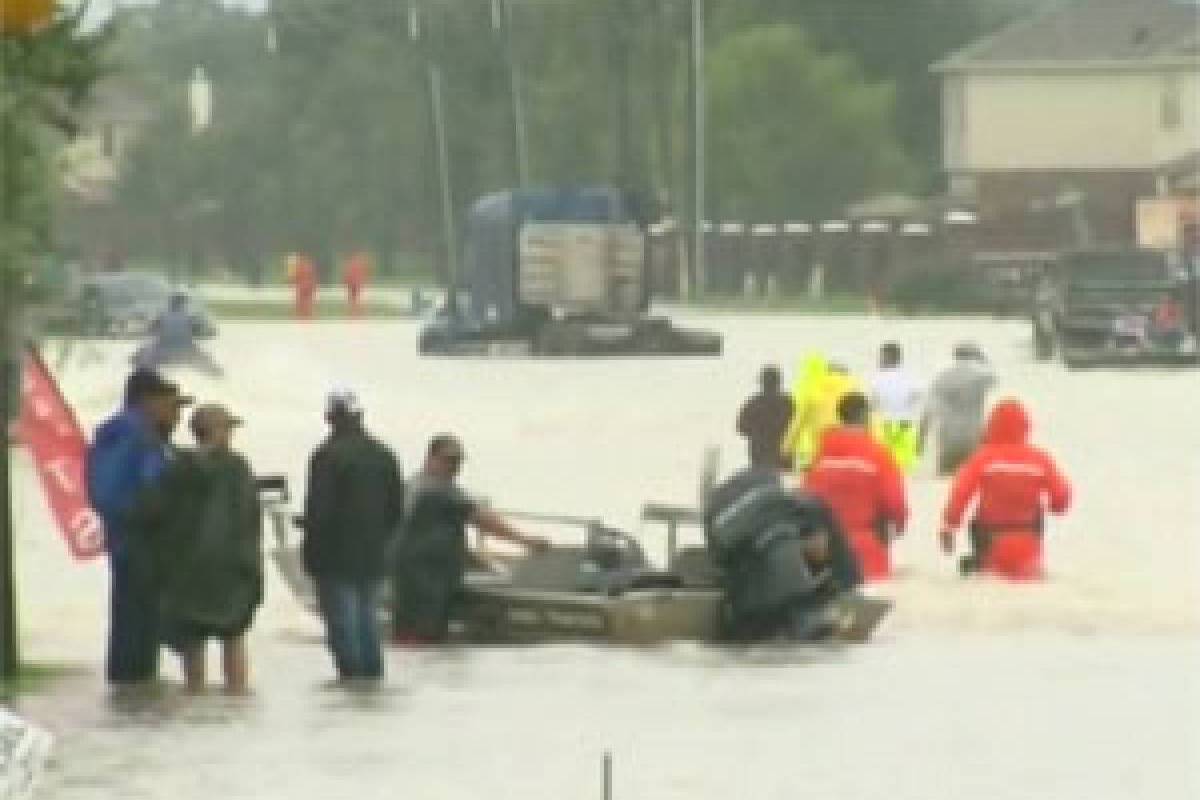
(603, 590)
(126, 304)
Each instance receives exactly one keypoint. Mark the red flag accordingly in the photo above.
(48, 427)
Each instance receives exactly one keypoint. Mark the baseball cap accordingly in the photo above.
(145, 383)
(211, 416)
(968, 351)
(342, 401)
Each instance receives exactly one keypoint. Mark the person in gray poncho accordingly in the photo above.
(957, 406)
(211, 551)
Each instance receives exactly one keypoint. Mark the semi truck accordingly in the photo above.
(555, 272)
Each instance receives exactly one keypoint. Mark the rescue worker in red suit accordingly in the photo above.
(354, 276)
(1013, 485)
(303, 277)
(858, 478)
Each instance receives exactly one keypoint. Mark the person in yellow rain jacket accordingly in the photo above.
(797, 446)
(819, 387)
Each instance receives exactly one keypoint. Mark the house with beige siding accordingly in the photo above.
(1055, 126)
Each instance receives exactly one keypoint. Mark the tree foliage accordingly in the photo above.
(326, 143)
(795, 132)
(44, 79)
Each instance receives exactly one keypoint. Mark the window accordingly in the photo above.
(954, 120)
(108, 140)
(1170, 109)
(963, 187)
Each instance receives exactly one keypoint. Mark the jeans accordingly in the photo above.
(351, 625)
(133, 634)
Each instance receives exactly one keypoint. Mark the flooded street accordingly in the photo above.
(1085, 686)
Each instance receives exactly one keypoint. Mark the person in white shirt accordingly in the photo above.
(898, 401)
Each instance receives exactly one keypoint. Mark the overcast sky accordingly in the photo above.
(102, 8)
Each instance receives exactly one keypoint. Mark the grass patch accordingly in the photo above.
(849, 305)
(791, 304)
(405, 270)
(265, 310)
(35, 678)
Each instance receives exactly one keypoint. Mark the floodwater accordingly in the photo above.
(1087, 686)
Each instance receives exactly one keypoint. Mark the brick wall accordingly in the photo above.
(1005, 204)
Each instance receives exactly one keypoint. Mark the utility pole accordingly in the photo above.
(9, 375)
(21, 157)
(699, 88)
(662, 69)
(620, 52)
(439, 132)
(417, 33)
(10, 313)
(502, 24)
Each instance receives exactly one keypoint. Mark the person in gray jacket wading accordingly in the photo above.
(956, 407)
(352, 510)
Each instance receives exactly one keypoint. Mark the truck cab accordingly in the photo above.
(555, 272)
(1117, 307)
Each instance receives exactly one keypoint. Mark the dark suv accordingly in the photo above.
(1116, 307)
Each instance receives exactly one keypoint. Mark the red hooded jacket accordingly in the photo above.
(1015, 483)
(859, 480)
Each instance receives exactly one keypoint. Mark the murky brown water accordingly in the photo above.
(1083, 687)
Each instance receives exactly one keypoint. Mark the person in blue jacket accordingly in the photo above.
(128, 454)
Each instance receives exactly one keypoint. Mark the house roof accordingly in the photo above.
(1084, 34)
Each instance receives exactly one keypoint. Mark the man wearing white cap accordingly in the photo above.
(353, 506)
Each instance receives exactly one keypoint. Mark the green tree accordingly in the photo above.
(318, 146)
(44, 79)
(891, 40)
(796, 132)
(326, 144)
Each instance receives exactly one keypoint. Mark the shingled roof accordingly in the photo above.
(1085, 33)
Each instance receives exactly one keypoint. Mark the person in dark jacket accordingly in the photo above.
(352, 510)
(764, 419)
(782, 554)
(210, 551)
(128, 455)
(432, 552)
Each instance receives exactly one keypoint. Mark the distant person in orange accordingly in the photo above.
(303, 276)
(355, 274)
